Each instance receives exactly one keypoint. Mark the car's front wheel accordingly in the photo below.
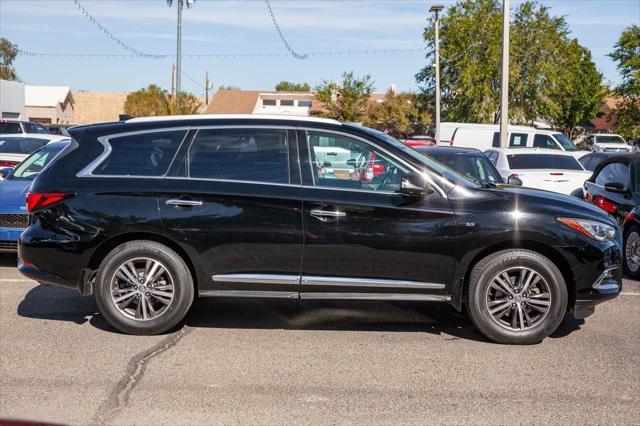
(143, 287)
(632, 251)
(516, 296)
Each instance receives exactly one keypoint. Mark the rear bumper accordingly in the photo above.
(82, 285)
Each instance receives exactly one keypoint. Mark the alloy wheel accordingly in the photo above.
(142, 289)
(518, 298)
(632, 251)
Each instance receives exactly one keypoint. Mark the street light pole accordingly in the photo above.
(504, 101)
(437, 9)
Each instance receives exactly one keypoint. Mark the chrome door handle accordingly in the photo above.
(327, 213)
(177, 202)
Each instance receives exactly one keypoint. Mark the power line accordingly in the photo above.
(110, 35)
(367, 52)
(284, 40)
(193, 80)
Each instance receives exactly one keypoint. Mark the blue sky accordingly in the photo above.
(222, 26)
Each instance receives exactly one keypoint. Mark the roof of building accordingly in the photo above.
(46, 96)
(233, 102)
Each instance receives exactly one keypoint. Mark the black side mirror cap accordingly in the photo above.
(415, 185)
(512, 180)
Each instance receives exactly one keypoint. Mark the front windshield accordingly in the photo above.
(32, 166)
(610, 139)
(475, 167)
(565, 142)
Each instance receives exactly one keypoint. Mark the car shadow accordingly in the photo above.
(8, 260)
(57, 304)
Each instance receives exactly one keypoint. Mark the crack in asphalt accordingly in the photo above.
(119, 396)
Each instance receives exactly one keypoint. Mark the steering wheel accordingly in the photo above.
(385, 182)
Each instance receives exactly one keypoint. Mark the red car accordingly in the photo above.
(418, 140)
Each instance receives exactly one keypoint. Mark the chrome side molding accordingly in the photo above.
(375, 296)
(368, 282)
(257, 279)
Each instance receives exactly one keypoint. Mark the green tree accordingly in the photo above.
(154, 101)
(287, 86)
(578, 94)
(8, 53)
(347, 100)
(543, 64)
(399, 115)
(627, 56)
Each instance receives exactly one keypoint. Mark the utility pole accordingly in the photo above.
(206, 88)
(504, 101)
(173, 81)
(180, 5)
(437, 8)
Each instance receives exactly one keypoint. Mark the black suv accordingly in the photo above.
(148, 213)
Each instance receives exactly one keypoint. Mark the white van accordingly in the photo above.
(485, 136)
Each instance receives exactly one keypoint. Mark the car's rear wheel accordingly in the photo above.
(632, 251)
(516, 296)
(143, 287)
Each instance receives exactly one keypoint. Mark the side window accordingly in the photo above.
(143, 154)
(10, 128)
(496, 140)
(258, 155)
(340, 161)
(614, 172)
(518, 140)
(544, 141)
(33, 144)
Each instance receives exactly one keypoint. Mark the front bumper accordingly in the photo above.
(606, 287)
(9, 239)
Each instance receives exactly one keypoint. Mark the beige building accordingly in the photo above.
(259, 102)
(49, 104)
(98, 107)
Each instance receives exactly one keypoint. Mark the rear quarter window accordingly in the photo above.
(614, 172)
(141, 154)
(538, 161)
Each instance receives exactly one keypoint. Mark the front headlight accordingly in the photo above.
(597, 230)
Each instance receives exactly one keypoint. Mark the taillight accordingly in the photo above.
(628, 218)
(514, 175)
(40, 200)
(453, 137)
(605, 204)
(4, 164)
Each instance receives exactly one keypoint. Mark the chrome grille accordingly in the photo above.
(10, 220)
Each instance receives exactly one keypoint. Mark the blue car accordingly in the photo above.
(13, 192)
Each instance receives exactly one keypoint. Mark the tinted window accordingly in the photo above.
(14, 145)
(538, 161)
(339, 161)
(29, 168)
(270, 102)
(304, 103)
(286, 102)
(544, 141)
(496, 140)
(142, 154)
(475, 167)
(518, 140)
(35, 128)
(565, 142)
(609, 139)
(614, 172)
(259, 155)
(10, 128)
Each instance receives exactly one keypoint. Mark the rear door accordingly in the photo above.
(233, 200)
(363, 239)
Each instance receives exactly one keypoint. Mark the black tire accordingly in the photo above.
(171, 313)
(631, 229)
(480, 281)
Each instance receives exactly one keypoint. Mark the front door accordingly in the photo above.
(363, 239)
(233, 200)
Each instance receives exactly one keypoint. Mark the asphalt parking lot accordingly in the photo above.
(269, 361)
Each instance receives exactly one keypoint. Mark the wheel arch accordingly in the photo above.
(108, 245)
(461, 285)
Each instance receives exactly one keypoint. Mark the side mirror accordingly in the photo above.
(516, 181)
(5, 172)
(414, 185)
(616, 187)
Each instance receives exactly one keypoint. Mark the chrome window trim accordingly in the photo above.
(88, 170)
(368, 282)
(257, 279)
